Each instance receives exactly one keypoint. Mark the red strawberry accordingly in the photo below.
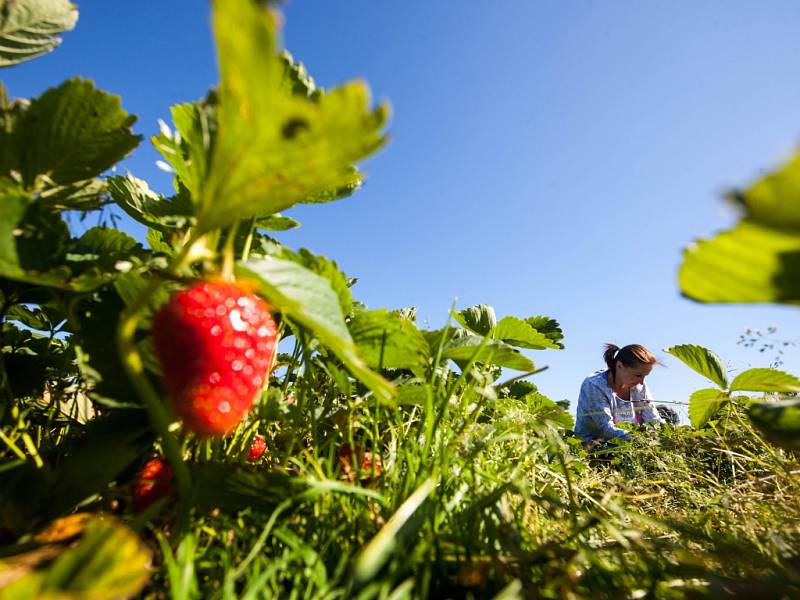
(215, 341)
(152, 481)
(257, 448)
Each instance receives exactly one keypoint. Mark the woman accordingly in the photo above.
(617, 394)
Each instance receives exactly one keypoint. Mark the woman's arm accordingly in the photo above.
(594, 418)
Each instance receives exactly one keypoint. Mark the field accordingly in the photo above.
(338, 451)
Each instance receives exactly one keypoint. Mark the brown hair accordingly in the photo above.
(631, 355)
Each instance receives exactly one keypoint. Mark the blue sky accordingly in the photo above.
(546, 157)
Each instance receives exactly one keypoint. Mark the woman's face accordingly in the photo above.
(628, 377)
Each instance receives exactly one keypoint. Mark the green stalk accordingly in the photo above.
(248, 242)
(134, 367)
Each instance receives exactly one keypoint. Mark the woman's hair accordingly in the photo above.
(631, 355)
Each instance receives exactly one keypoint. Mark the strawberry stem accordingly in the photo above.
(228, 254)
(134, 367)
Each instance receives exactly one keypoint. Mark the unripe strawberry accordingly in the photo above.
(152, 482)
(215, 342)
(257, 448)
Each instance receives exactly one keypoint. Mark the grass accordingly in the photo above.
(480, 492)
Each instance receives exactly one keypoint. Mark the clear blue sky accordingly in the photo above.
(546, 157)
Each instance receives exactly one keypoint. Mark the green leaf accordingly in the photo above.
(37, 249)
(749, 263)
(188, 149)
(109, 561)
(479, 319)
(548, 327)
(517, 332)
(765, 380)
(97, 315)
(418, 395)
(387, 341)
(30, 28)
(759, 259)
(704, 405)
(277, 222)
(136, 198)
(494, 352)
(774, 200)
(778, 421)
(72, 133)
(13, 204)
(546, 409)
(702, 361)
(307, 299)
(324, 267)
(275, 148)
(380, 548)
(88, 194)
(519, 388)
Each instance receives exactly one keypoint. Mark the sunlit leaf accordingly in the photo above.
(275, 148)
(704, 405)
(493, 352)
(277, 222)
(774, 199)
(758, 260)
(30, 28)
(749, 263)
(765, 380)
(702, 361)
(517, 332)
(307, 299)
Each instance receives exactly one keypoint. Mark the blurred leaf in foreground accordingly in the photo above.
(758, 260)
(109, 561)
(30, 28)
(778, 421)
